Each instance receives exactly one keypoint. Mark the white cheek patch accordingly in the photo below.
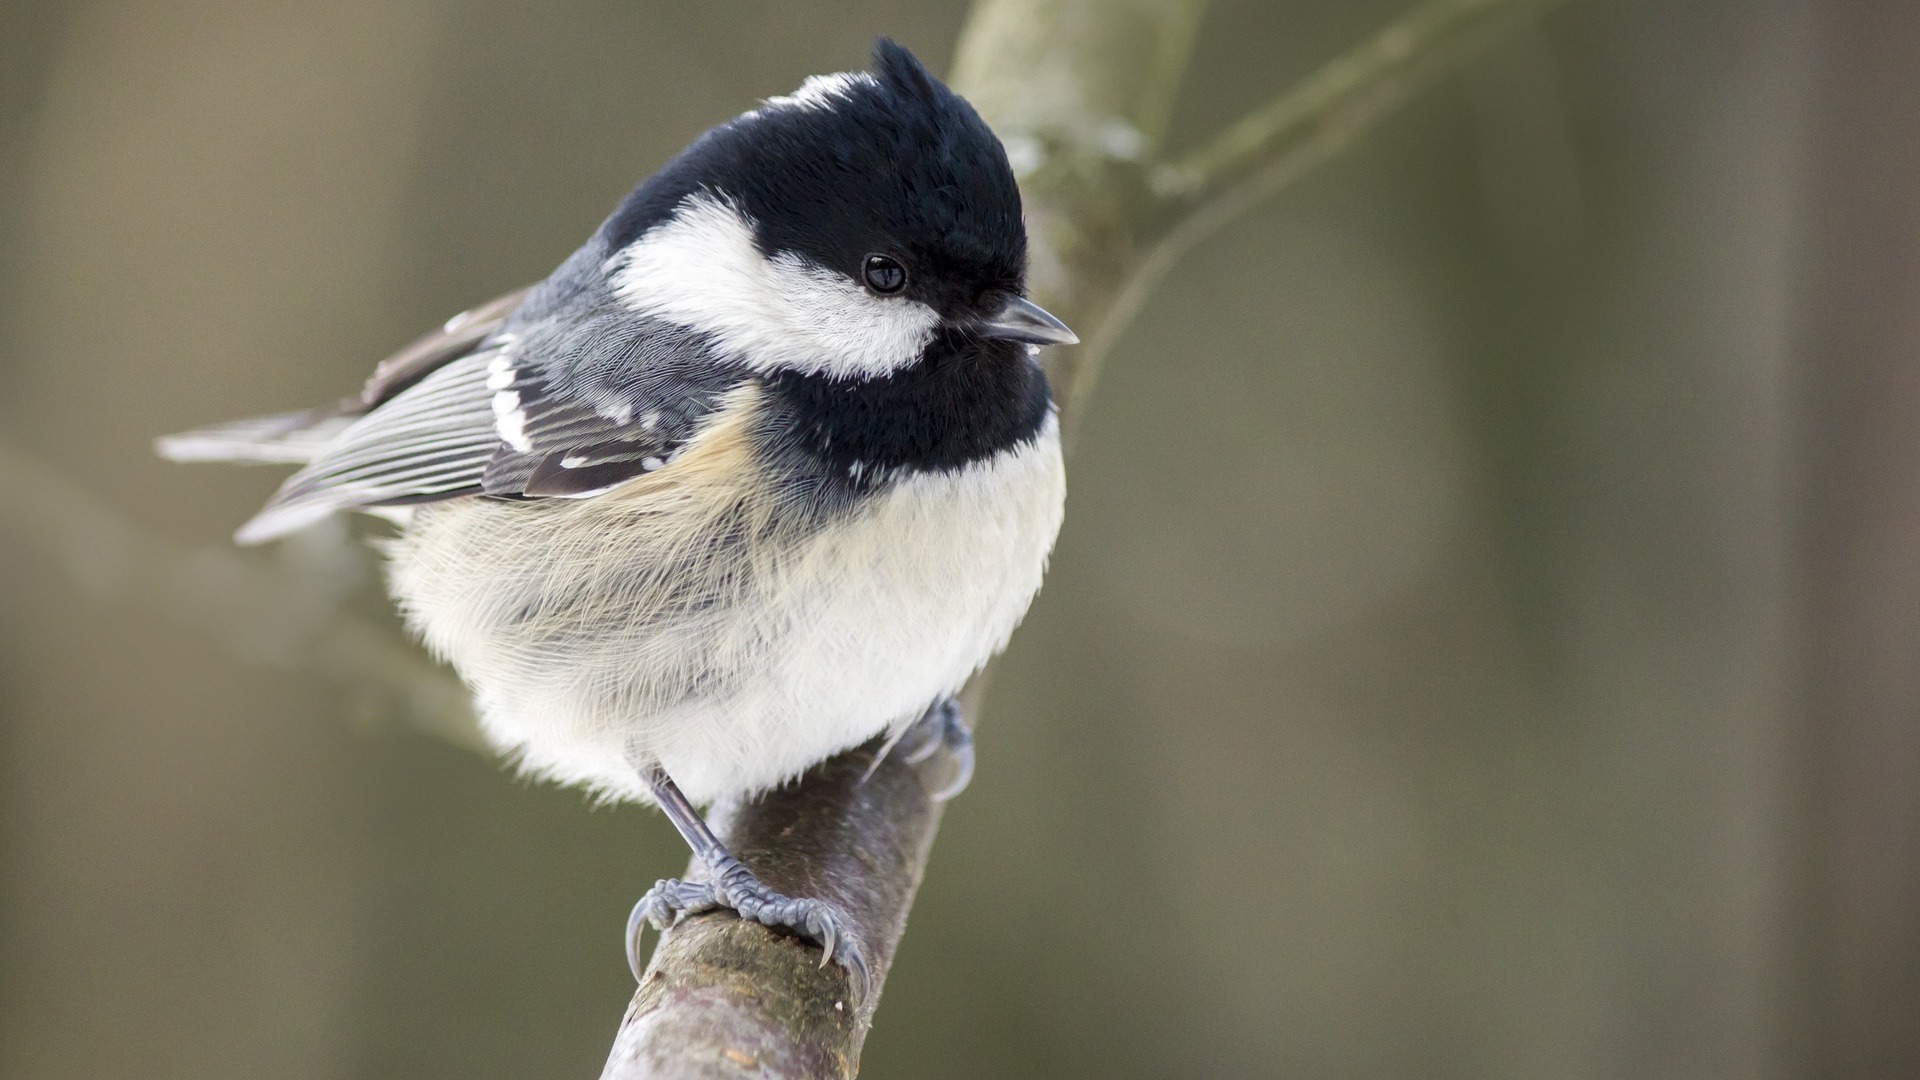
(700, 270)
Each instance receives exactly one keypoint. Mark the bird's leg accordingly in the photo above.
(939, 728)
(733, 887)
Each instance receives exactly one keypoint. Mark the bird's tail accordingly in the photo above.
(284, 439)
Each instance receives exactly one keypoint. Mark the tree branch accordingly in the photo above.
(1278, 143)
(1322, 114)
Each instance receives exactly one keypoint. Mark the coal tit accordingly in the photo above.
(765, 470)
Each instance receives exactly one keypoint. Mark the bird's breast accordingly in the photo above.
(736, 634)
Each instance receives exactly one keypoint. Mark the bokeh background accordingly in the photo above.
(1484, 642)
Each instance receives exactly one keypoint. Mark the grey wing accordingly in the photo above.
(282, 439)
(598, 401)
(431, 440)
(569, 406)
(299, 437)
(460, 335)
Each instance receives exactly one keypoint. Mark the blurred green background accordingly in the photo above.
(1483, 642)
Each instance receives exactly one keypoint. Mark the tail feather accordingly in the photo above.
(284, 439)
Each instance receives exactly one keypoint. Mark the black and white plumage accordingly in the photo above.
(764, 470)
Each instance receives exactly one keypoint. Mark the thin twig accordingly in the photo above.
(1347, 95)
(1275, 145)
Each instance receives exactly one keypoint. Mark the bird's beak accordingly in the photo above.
(1021, 319)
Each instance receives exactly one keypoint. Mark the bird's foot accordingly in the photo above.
(941, 728)
(735, 888)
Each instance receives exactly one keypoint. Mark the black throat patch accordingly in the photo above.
(965, 400)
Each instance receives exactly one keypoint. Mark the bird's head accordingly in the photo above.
(840, 230)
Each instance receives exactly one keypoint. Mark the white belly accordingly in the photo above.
(595, 629)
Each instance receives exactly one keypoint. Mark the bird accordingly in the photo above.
(766, 470)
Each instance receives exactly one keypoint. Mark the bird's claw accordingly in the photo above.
(738, 890)
(662, 906)
(942, 728)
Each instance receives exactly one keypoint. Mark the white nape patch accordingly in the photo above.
(820, 91)
(700, 269)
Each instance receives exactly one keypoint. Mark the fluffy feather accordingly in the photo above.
(694, 617)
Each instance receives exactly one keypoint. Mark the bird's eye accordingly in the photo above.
(884, 274)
